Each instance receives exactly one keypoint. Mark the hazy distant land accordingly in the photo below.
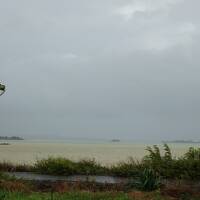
(182, 141)
(4, 143)
(10, 138)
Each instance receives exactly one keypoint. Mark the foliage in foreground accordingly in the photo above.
(6, 195)
(186, 167)
(149, 180)
(11, 188)
(66, 196)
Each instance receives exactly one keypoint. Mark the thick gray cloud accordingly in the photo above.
(100, 69)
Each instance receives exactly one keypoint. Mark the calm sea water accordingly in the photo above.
(105, 152)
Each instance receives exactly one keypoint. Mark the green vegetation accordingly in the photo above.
(6, 195)
(62, 166)
(186, 167)
(148, 180)
(130, 168)
(67, 196)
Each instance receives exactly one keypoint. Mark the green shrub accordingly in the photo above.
(58, 166)
(90, 167)
(131, 168)
(149, 180)
(63, 166)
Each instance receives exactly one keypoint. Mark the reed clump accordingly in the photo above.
(185, 167)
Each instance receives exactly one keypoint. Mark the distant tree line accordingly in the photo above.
(10, 138)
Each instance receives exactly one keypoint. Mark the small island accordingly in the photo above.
(10, 138)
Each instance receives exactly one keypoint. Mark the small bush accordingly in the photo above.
(63, 166)
(149, 180)
(58, 166)
(90, 167)
(131, 168)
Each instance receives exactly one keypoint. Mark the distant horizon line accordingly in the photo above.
(107, 139)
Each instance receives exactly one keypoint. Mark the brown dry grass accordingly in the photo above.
(15, 186)
(170, 192)
(181, 190)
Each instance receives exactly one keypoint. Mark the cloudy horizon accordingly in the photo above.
(125, 69)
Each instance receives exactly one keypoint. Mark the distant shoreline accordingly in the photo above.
(10, 138)
(182, 142)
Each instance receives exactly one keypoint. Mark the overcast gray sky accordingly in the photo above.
(100, 69)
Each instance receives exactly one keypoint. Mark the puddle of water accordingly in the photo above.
(75, 178)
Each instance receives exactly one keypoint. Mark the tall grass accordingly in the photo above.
(187, 166)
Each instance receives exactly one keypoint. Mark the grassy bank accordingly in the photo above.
(71, 196)
(135, 195)
(13, 189)
(165, 165)
(66, 196)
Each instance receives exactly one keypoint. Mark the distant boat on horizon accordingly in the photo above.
(115, 140)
